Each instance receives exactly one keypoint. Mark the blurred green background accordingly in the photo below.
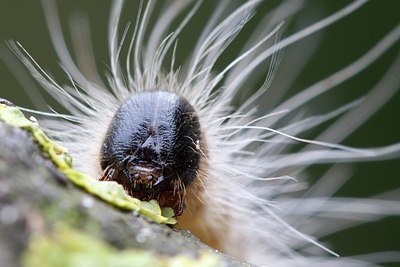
(341, 44)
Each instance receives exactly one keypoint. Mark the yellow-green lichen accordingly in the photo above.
(67, 247)
(110, 192)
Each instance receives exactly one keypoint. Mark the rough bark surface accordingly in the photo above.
(35, 196)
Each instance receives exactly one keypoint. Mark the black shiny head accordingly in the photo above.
(152, 148)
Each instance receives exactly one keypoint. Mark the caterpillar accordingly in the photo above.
(208, 124)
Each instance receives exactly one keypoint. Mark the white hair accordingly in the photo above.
(255, 189)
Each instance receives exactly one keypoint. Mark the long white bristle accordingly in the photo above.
(257, 156)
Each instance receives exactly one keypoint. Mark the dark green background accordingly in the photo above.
(342, 43)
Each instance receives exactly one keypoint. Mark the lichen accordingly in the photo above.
(110, 192)
(66, 247)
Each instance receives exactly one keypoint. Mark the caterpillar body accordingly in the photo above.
(195, 134)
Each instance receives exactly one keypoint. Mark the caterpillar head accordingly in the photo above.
(152, 148)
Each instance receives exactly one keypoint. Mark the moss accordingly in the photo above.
(67, 247)
(109, 192)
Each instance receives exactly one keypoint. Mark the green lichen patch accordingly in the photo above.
(153, 210)
(110, 192)
(67, 247)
